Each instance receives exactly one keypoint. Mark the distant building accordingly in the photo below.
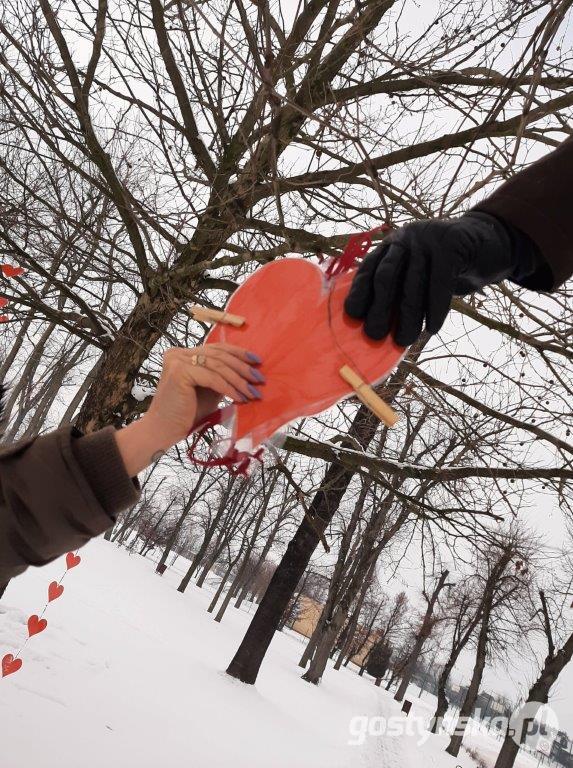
(562, 750)
(456, 694)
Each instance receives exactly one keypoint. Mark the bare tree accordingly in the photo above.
(422, 634)
(506, 578)
(552, 623)
(463, 612)
(155, 153)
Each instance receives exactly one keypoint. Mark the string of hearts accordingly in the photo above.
(8, 270)
(37, 624)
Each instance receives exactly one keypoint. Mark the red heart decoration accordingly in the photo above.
(10, 665)
(3, 302)
(72, 560)
(36, 625)
(296, 323)
(4, 318)
(9, 271)
(54, 591)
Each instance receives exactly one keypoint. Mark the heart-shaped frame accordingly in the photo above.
(295, 322)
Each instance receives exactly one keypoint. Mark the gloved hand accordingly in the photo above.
(411, 277)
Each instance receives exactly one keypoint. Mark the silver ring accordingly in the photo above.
(198, 359)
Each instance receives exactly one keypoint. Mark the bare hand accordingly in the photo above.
(192, 384)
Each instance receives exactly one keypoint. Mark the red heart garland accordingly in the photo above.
(10, 665)
(36, 625)
(72, 560)
(9, 271)
(54, 591)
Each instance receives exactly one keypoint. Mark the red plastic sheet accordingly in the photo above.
(296, 323)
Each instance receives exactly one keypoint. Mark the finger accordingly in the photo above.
(440, 291)
(411, 307)
(243, 369)
(229, 367)
(387, 282)
(361, 294)
(209, 379)
(243, 354)
(234, 378)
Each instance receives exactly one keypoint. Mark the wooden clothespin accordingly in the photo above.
(217, 316)
(368, 396)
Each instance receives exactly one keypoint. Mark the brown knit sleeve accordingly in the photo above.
(58, 491)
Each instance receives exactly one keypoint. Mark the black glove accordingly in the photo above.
(411, 277)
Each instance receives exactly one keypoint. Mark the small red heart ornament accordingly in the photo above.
(295, 322)
(4, 318)
(36, 625)
(3, 301)
(54, 591)
(10, 665)
(9, 271)
(72, 560)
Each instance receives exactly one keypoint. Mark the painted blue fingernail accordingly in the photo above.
(257, 375)
(252, 358)
(254, 391)
(244, 398)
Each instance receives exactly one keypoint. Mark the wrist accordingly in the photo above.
(142, 443)
(491, 258)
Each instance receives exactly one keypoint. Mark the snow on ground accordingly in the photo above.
(130, 674)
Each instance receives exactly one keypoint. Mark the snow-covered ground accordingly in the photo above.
(130, 674)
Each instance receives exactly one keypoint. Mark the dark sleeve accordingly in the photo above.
(58, 491)
(538, 202)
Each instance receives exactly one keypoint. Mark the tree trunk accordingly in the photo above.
(393, 676)
(80, 394)
(346, 639)
(121, 534)
(236, 580)
(362, 574)
(108, 400)
(221, 587)
(421, 638)
(456, 648)
(347, 645)
(468, 705)
(340, 571)
(310, 648)
(202, 551)
(266, 549)
(250, 546)
(443, 703)
(538, 693)
(357, 577)
(173, 538)
(286, 615)
(246, 663)
(147, 545)
(251, 652)
(208, 565)
(184, 583)
(366, 632)
(323, 648)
